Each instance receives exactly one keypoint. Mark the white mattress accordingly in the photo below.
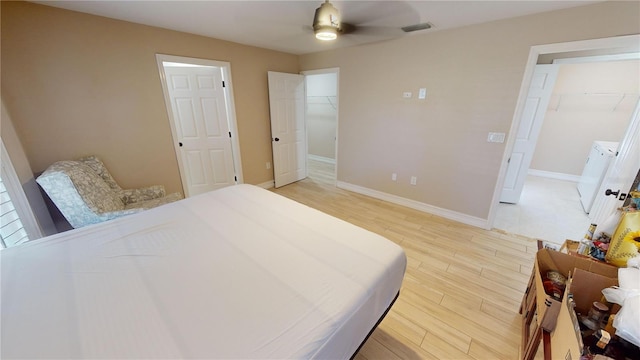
(236, 273)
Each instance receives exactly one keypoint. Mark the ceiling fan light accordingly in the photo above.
(326, 22)
(326, 33)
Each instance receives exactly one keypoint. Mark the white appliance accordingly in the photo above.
(594, 170)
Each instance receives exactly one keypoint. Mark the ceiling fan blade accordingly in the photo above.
(378, 13)
(381, 31)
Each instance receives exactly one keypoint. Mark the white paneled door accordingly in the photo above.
(288, 134)
(620, 174)
(542, 82)
(201, 127)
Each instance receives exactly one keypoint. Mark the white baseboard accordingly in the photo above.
(267, 185)
(321, 158)
(430, 209)
(554, 175)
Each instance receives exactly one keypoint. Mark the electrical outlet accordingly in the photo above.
(268, 165)
(394, 176)
(414, 180)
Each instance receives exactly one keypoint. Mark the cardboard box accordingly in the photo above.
(570, 247)
(586, 288)
(566, 264)
(587, 279)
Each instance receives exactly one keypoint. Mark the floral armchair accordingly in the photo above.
(85, 192)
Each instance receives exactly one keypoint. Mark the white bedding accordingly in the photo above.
(236, 273)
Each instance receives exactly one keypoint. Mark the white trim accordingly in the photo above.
(178, 64)
(321, 158)
(598, 58)
(618, 42)
(321, 71)
(18, 197)
(430, 209)
(554, 175)
(231, 110)
(267, 185)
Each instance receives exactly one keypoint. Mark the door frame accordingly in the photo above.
(229, 103)
(17, 195)
(611, 43)
(336, 71)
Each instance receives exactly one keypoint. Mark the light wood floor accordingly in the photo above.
(463, 285)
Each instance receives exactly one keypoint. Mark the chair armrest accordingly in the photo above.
(130, 196)
(104, 216)
(148, 204)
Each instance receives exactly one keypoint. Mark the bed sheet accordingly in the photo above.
(236, 273)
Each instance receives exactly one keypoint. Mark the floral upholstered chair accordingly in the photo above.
(85, 192)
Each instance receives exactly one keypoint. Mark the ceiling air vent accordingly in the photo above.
(416, 27)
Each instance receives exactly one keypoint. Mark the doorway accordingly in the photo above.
(582, 49)
(201, 112)
(322, 123)
(591, 103)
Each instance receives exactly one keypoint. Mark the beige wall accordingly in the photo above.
(590, 101)
(473, 77)
(77, 84)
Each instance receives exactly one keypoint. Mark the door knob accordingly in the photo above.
(180, 144)
(608, 192)
(276, 139)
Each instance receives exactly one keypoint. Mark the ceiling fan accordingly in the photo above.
(327, 25)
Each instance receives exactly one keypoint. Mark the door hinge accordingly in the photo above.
(235, 178)
(229, 133)
(223, 85)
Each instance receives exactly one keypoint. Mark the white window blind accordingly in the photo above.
(12, 232)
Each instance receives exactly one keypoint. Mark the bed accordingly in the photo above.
(238, 273)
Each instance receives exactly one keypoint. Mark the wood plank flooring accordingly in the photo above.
(463, 285)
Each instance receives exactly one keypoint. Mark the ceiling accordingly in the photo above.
(286, 25)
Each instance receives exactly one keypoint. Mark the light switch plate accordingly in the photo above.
(495, 137)
(422, 94)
